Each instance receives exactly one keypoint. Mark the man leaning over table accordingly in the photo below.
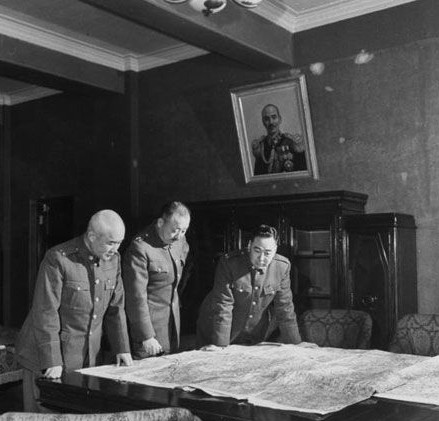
(78, 290)
(247, 283)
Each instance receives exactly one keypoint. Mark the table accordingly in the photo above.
(76, 392)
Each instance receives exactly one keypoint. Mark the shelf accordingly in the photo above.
(312, 256)
(316, 295)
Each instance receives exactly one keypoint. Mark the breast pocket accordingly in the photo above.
(109, 288)
(241, 290)
(268, 293)
(76, 295)
(158, 267)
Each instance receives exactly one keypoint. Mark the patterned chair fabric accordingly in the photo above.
(9, 369)
(162, 414)
(416, 334)
(336, 328)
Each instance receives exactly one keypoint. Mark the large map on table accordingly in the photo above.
(289, 377)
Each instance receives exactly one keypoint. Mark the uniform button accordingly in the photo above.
(97, 299)
(90, 257)
(240, 290)
(256, 288)
(251, 316)
(159, 270)
(97, 281)
(94, 316)
(78, 288)
(90, 333)
(254, 303)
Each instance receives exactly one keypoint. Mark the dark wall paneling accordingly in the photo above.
(64, 145)
(5, 212)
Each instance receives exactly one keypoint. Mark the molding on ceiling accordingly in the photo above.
(52, 40)
(274, 11)
(293, 21)
(26, 95)
(169, 56)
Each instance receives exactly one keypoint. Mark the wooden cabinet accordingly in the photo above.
(380, 269)
(308, 226)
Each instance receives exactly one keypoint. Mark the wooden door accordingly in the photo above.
(51, 223)
(380, 269)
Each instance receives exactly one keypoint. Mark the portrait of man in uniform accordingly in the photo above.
(277, 151)
(274, 130)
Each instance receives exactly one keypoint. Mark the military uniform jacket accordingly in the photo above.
(238, 304)
(75, 294)
(287, 155)
(151, 273)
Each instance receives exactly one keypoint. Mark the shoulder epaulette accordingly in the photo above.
(280, 258)
(141, 237)
(66, 249)
(234, 253)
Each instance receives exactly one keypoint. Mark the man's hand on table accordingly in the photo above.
(152, 347)
(212, 347)
(124, 359)
(308, 345)
(53, 372)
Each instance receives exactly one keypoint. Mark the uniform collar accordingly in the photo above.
(252, 267)
(275, 139)
(154, 238)
(86, 253)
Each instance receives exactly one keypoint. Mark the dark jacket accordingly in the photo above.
(74, 295)
(151, 273)
(237, 308)
(287, 155)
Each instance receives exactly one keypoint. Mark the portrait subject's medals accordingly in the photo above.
(273, 158)
(286, 158)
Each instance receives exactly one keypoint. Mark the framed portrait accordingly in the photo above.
(274, 127)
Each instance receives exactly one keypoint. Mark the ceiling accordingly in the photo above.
(78, 29)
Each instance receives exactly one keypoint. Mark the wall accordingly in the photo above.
(64, 145)
(375, 129)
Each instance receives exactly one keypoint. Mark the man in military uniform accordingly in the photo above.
(277, 152)
(152, 269)
(78, 290)
(247, 283)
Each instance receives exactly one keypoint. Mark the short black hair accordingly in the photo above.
(171, 208)
(265, 231)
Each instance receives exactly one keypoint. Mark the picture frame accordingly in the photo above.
(275, 148)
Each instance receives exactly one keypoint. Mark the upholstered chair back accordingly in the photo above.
(337, 328)
(416, 334)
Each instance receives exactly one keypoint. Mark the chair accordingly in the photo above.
(336, 328)
(9, 369)
(162, 414)
(416, 334)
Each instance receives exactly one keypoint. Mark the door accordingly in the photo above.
(51, 223)
(368, 280)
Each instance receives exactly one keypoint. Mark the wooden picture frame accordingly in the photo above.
(274, 128)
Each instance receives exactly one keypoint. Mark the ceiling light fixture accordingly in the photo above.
(208, 7)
